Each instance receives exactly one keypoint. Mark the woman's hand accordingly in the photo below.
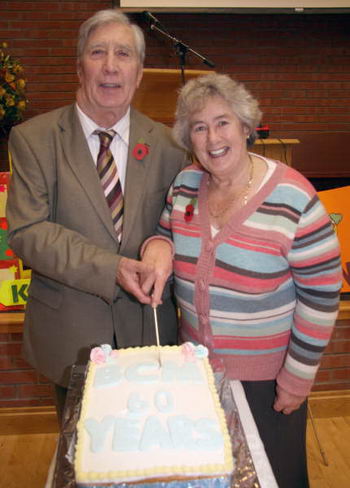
(157, 256)
(287, 402)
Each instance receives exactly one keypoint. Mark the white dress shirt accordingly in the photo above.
(119, 145)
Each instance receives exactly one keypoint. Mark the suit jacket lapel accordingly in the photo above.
(79, 158)
(136, 172)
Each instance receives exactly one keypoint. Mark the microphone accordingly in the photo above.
(180, 47)
(153, 20)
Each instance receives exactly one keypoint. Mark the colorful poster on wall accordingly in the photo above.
(14, 279)
(336, 202)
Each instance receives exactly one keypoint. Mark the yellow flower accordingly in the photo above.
(4, 45)
(10, 101)
(21, 84)
(2, 91)
(21, 105)
(17, 69)
(9, 77)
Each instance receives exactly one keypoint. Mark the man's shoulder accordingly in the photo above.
(139, 118)
(45, 120)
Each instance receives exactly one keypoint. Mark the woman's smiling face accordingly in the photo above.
(218, 137)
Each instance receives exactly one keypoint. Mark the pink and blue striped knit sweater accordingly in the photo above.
(263, 293)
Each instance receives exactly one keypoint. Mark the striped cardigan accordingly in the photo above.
(263, 293)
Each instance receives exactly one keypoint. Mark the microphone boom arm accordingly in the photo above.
(181, 49)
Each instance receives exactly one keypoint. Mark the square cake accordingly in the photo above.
(151, 415)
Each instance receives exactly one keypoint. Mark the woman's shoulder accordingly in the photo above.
(283, 175)
(287, 186)
(294, 178)
(190, 176)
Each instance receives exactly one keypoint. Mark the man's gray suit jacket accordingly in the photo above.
(61, 227)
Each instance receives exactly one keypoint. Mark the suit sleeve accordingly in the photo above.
(49, 248)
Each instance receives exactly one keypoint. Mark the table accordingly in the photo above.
(252, 466)
(279, 149)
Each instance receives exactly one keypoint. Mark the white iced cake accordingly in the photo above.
(150, 417)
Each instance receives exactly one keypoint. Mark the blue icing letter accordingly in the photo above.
(154, 435)
(207, 434)
(98, 431)
(107, 349)
(142, 372)
(164, 401)
(126, 435)
(201, 351)
(187, 372)
(107, 376)
(181, 430)
(136, 404)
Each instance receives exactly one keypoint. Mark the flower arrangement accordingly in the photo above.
(190, 352)
(102, 354)
(12, 90)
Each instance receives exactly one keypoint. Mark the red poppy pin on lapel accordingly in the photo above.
(140, 150)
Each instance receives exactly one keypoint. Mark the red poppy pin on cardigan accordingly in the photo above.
(140, 150)
(189, 210)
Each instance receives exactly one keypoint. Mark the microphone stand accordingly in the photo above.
(181, 50)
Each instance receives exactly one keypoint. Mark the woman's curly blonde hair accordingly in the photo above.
(194, 94)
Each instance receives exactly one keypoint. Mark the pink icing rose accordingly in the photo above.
(114, 353)
(97, 356)
(188, 351)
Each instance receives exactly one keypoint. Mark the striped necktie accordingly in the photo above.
(108, 173)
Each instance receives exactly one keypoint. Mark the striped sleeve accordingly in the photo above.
(315, 263)
(183, 191)
(164, 226)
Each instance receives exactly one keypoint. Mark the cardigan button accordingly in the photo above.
(209, 246)
(202, 285)
(203, 318)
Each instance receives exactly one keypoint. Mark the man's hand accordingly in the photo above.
(129, 277)
(158, 257)
(287, 402)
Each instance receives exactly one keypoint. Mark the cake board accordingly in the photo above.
(245, 474)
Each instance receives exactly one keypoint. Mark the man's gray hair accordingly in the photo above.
(107, 17)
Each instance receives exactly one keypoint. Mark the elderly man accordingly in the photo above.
(89, 183)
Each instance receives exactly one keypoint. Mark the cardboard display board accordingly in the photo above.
(336, 202)
(14, 278)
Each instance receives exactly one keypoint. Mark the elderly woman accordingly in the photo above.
(256, 265)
